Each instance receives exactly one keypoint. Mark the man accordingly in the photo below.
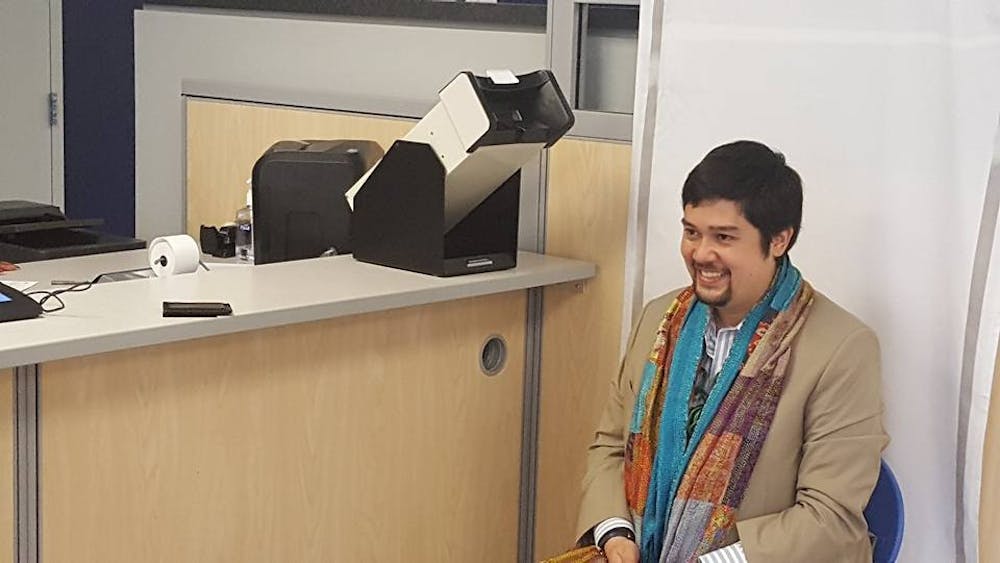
(746, 417)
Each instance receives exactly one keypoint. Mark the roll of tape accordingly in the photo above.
(177, 254)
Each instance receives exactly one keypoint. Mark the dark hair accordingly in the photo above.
(756, 178)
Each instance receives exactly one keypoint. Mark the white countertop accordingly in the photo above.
(128, 314)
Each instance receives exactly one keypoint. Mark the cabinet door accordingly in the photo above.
(366, 438)
(26, 138)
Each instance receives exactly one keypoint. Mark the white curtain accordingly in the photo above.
(888, 111)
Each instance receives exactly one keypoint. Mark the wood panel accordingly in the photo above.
(225, 139)
(587, 219)
(989, 491)
(368, 438)
(7, 465)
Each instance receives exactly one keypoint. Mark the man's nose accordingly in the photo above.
(704, 251)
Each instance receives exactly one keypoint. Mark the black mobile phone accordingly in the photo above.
(196, 309)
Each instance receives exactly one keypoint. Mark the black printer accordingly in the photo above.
(32, 231)
(299, 210)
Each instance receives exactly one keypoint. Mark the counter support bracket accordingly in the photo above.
(26, 514)
(529, 426)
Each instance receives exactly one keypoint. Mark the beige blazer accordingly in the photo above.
(820, 460)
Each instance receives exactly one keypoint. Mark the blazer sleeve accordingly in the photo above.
(842, 443)
(603, 483)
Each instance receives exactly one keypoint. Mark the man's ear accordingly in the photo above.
(780, 241)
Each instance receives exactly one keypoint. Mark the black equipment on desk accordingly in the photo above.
(218, 242)
(444, 199)
(298, 187)
(32, 231)
(15, 306)
(399, 219)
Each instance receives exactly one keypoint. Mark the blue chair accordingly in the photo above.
(884, 514)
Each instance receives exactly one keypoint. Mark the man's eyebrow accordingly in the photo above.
(716, 228)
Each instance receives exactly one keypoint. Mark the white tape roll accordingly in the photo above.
(177, 254)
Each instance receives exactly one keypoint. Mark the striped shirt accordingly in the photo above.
(718, 343)
(729, 554)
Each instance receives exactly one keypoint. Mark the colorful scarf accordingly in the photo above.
(685, 492)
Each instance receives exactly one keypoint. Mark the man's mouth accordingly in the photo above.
(710, 277)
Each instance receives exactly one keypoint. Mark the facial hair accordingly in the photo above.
(720, 301)
(717, 301)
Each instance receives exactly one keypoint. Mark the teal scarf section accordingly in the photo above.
(674, 449)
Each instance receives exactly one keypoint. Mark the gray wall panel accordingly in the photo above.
(368, 66)
(27, 142)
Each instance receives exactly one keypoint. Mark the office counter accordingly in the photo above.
(127, 314)
(341, 414)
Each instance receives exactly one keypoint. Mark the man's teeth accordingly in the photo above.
(710, 275)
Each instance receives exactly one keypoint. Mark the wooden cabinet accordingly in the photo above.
(367, 438)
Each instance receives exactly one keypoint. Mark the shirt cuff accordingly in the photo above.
(729, 554)
(608, 525)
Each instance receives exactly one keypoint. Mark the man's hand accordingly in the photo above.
(621, 550)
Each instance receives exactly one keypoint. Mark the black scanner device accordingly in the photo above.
(31, 231)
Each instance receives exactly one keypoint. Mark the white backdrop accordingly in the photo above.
(888, 111)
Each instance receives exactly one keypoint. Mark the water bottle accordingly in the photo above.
(244, 231)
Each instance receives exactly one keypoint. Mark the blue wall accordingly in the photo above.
(99, 107)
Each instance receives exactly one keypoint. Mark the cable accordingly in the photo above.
(47, 295)
(79, 286)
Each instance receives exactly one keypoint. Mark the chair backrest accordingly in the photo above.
(884, 514)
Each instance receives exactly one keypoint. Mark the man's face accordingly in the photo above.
(723, 254)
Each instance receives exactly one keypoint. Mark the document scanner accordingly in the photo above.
(444, 198)
(32, 231)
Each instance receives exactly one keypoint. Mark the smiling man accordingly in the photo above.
(745, 422)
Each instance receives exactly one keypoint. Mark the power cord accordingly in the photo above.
(77, 287)
(54, 294)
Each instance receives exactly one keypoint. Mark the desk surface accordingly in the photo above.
(128, 314)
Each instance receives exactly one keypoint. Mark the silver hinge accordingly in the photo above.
(53, 109)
